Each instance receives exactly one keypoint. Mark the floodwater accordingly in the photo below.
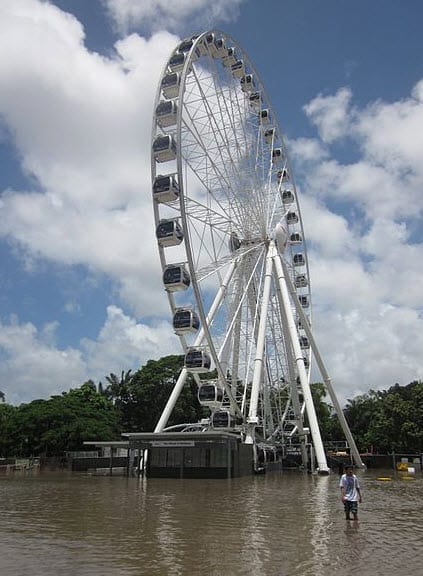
(282, 524)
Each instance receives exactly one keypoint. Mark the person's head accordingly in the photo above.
(348, 469)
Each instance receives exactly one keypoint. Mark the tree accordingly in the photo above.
(389, 420)
(6, 433)
(150, 389)
(329, 425)
(397, 425)
(119, 391)
(62, 423)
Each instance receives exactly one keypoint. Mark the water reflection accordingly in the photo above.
(320, 530)
(166, 532)
(253, 547)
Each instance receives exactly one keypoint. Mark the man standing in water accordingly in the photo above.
(350, 493)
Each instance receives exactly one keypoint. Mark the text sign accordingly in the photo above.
(172, 443)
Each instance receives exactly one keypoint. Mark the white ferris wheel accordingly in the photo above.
(232, 250)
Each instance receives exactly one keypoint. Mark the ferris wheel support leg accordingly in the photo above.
(172, 401)
(294, 391)
(252, 421)
(308, 399)
(328, 383)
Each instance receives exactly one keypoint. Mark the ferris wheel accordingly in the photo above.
(232, 248)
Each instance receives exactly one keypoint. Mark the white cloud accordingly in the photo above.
(34, 366)
(388, 177)
(308, 150)
(370, 348)
(122, 342)
(331, 114)
(363, 220)
(391, 136)
(328, 234)
(81, 125)
(162, 14)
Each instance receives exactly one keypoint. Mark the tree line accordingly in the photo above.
(381, 421)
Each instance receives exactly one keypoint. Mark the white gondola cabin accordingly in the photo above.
(170, 85)
(176, 278)
(301, 281)
(186, 45)
(166, 112)
(164, 148)
(165, 189)
(304, 301)
(255, 100)
(177, 61)
(292, 217)
(295, 238)
(304, 343)
(201, 49)
(197, 360)
(218, 48)
(300, 325)
(288, 197)
(185, 320)
(169, 233)
(210, 394)
(238, 69)
(269, 135)
(283, 175)
(247, 83)
(222, 419)
(264, 116)
(277, 155)
(230, 57)
(209, 40)
(298, 259)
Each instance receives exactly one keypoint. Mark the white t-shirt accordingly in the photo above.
(350, 485)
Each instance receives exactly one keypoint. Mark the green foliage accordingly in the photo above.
(330, 428)
(388, 421)
(120, 392)
(383, 421)
(149, 391)
(62, 423)
(6, 432)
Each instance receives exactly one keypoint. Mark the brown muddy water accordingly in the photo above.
(289, 524)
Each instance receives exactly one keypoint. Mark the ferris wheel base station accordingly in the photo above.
(209, 454)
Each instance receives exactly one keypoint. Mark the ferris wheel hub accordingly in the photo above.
(280, 235)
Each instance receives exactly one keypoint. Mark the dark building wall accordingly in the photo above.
(84, 464)
(201, 461)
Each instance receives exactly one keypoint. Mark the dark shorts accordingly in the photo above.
(350, 506)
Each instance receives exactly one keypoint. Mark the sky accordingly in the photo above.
(80, 284)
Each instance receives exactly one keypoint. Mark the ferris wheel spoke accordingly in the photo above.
(226, 169)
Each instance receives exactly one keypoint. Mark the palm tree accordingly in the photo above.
(118, 389)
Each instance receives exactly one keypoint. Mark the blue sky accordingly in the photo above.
(80, 289)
